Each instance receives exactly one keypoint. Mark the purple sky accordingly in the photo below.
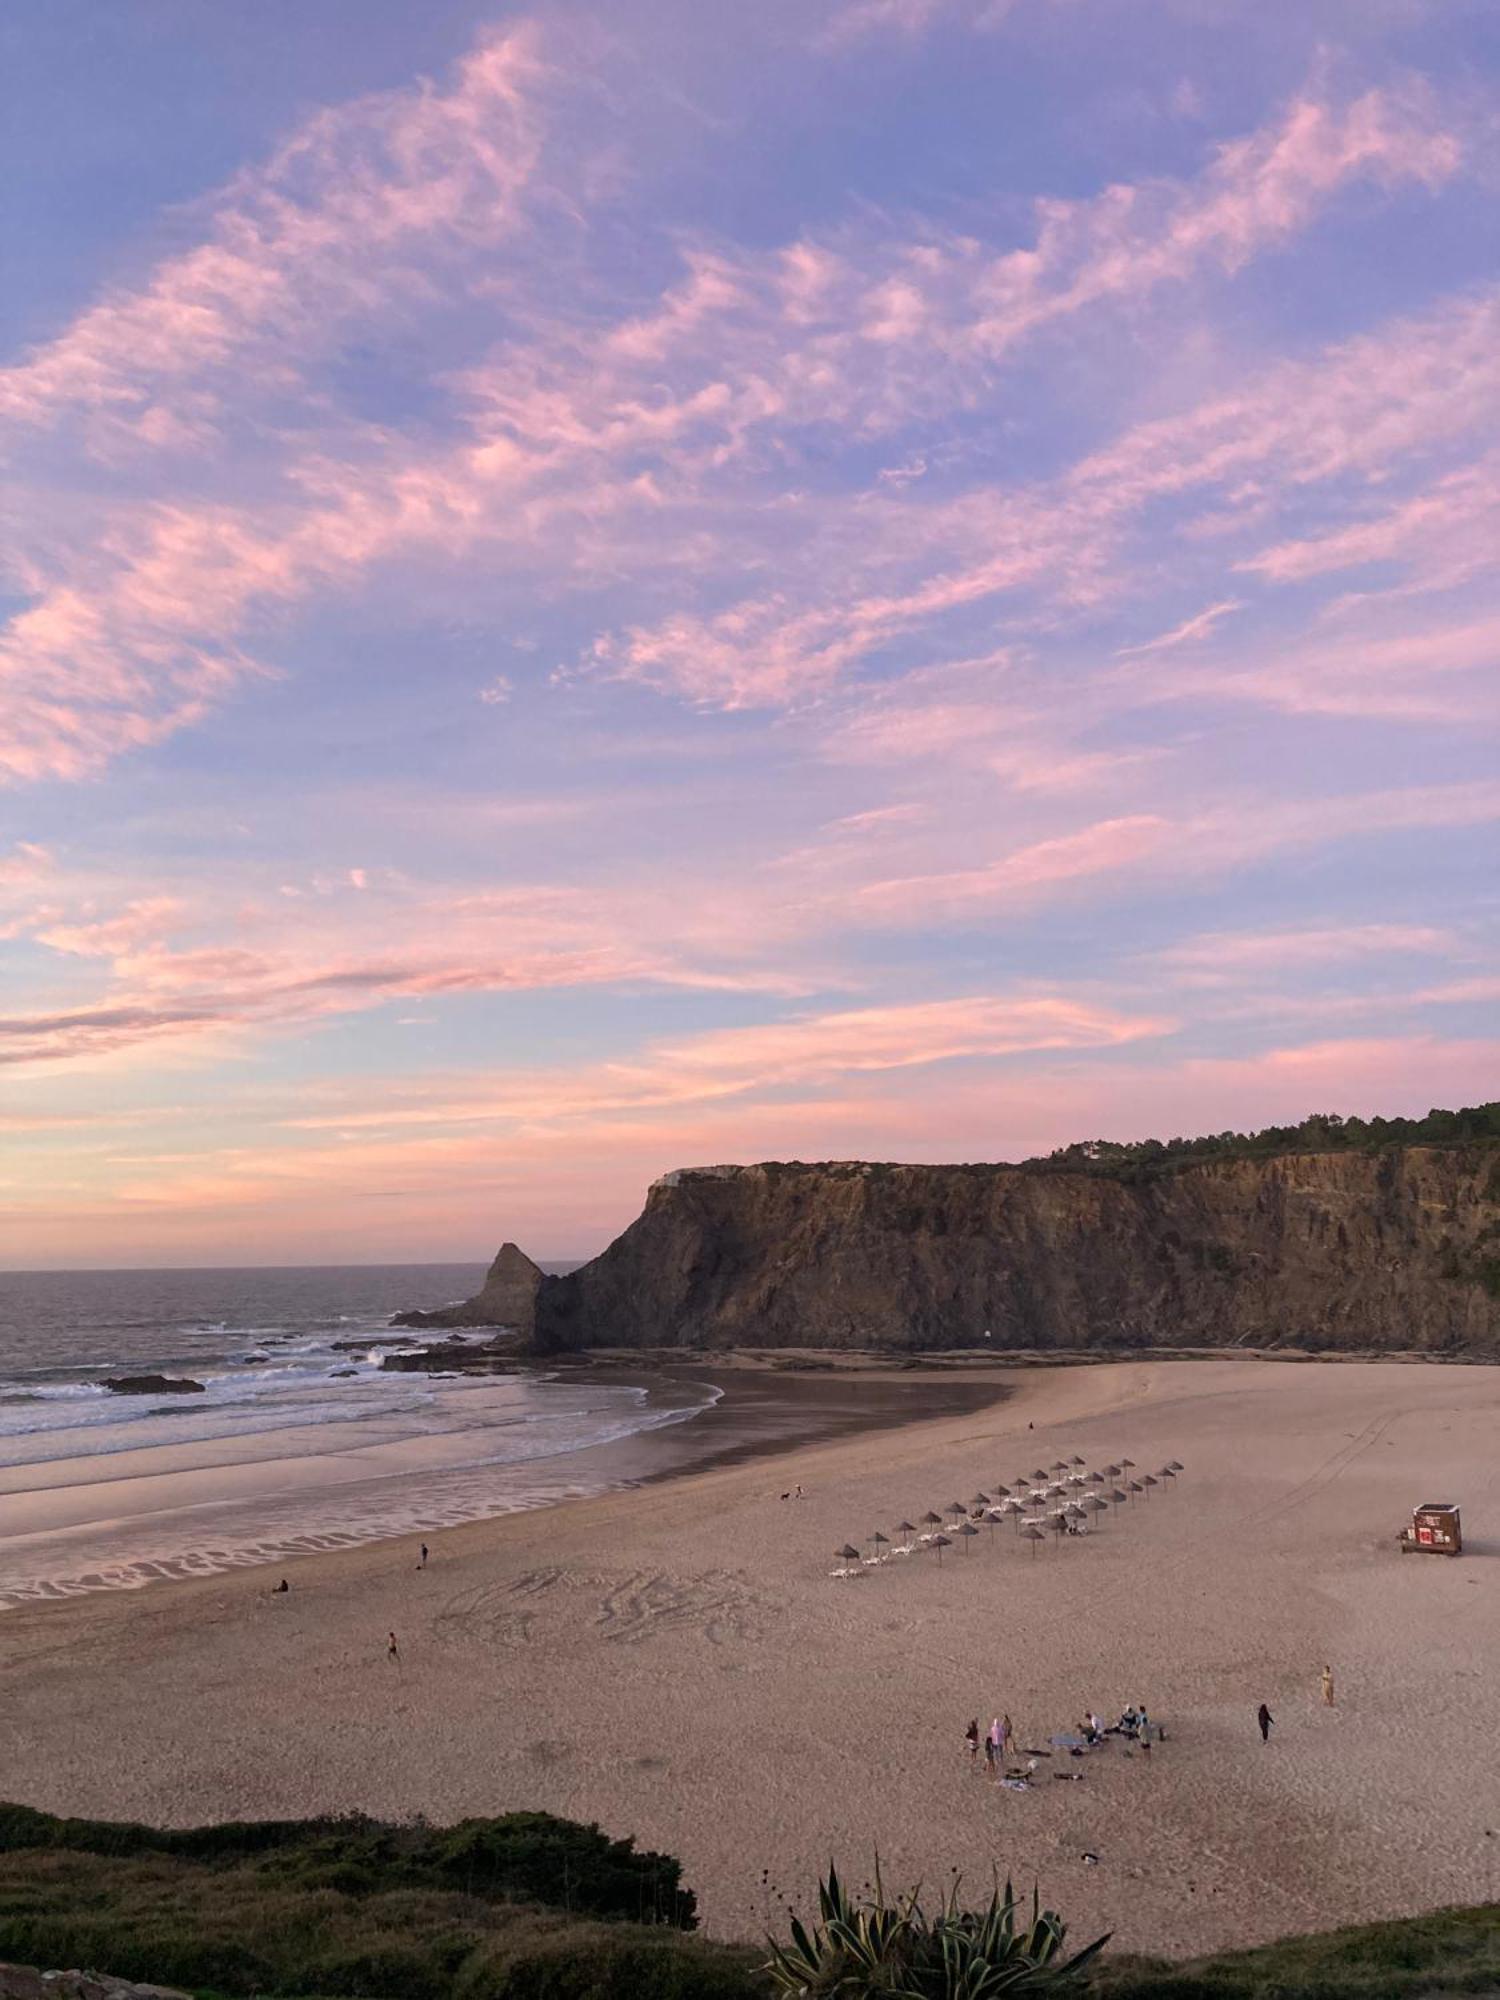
(603, 589)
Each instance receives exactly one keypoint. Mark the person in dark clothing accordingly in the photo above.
(971, 1737)
(283, 1585)
(422, 1564)
(1265, 1718)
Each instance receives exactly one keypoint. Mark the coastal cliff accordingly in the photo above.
(1396, 1248)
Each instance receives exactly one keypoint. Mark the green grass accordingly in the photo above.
(524, 1907)
(1435, 1957)
(527, 1907)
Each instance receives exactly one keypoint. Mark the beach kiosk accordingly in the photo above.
(1434, 1529)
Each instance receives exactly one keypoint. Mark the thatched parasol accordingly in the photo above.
(980, 1500)
(1148, 1482)
(1135, 1487)
(907, 1527)
(941, 1542)
(1075, 1460)
(1095, 1505)
(1174, 1465)
(1033, 1534)
(968, 1531)
(1117, 1496)
(849, 1553)
(879, 1541)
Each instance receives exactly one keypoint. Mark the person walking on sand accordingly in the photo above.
(422, 1560)
(1328, 1687)
(994, 1748)
(392, 1650)
(1265, 1718)
(971, 1737)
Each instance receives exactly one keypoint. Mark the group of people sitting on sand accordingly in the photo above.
(1134, 1727)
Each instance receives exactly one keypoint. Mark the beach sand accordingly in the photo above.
(676, 1663)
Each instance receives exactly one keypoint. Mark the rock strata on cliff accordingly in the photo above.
(1393, 1249)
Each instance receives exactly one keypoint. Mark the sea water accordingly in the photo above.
(300, 1440)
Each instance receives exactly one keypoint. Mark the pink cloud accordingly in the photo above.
(581, 440)
(1222, 956)
(298, 246)
(566, 1187)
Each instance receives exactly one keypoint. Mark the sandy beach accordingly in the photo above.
(677, 1663)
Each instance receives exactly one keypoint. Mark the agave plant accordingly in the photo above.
(880, 1949)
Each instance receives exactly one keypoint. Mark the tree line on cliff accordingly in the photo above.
(1321, 1132)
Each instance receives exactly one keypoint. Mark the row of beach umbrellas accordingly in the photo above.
(1070, 1492)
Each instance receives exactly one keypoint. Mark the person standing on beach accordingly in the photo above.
(422, 1563)
(1328, 1687)
(1007, 1739)
(1265, 1718)
(971, 1737)
(392, 1651)
(994, 1748)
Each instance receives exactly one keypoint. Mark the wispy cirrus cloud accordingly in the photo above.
(351, 212)
(1227, 957)
(574, 431)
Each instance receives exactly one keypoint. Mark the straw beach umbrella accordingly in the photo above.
(941, 1542)
(907, 1527)
(1075, 1460)
(980, 1500)
(1117, 1496)
(1040, 1475)
(1095, 1505)
(1096, 1479)
(1135, 1487)
(1148, 1482)
(1174, 1465)
(1033, 1534)
(849, 1553)
(1128, 1464)
(957, 1508)
(879, 1541)
(968, 1531)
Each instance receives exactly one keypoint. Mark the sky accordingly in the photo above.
(631, 585)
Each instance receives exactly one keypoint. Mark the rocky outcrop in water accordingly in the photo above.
(153, 1385)
(1393, 1249)
(506, 1298)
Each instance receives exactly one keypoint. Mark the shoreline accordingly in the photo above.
(675, 1663)
(749, 1417)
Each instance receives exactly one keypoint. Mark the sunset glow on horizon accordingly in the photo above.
(609, 588)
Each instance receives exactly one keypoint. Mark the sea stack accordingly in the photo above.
(507, 1297)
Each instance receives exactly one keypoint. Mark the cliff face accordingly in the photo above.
(1397, 1249)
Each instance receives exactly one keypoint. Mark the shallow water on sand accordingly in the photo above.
(298, 1441)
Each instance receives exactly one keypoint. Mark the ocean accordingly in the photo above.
(299, 1442)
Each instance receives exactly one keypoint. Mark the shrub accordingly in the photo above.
(875, 1949)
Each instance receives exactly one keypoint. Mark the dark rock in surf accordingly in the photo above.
(153, 1385)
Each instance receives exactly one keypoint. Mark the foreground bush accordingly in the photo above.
(1440, 1956)
(525, 1907)
(874, 1949)
(530, 1855)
